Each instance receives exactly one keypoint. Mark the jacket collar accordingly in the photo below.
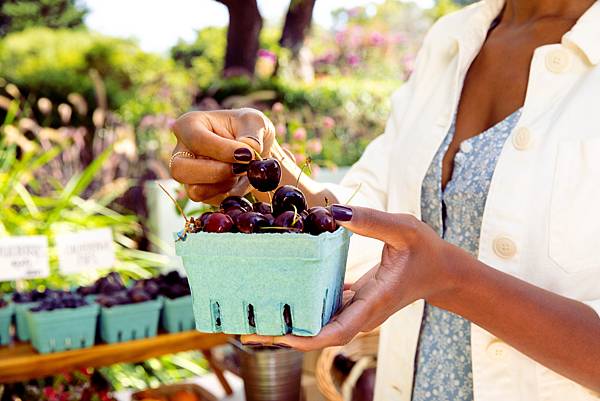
(585, 34)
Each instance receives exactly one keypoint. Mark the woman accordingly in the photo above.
(489, 282)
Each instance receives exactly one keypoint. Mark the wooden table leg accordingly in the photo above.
(218, 371)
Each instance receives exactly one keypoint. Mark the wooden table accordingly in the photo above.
(20, 361)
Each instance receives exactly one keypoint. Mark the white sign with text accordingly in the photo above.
(85, 250)
(23, 257)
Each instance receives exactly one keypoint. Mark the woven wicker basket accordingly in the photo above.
(362, 349)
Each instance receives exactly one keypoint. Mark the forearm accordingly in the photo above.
(558, 332)
(316, 194)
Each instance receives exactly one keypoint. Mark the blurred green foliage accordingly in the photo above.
(16, 15)
(55, 63)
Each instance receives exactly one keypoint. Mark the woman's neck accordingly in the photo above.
(526, 11)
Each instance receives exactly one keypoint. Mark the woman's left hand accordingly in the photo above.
(412, 267)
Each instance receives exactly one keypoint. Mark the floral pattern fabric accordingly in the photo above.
(443, 362)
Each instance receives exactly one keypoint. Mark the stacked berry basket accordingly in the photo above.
(263, 268)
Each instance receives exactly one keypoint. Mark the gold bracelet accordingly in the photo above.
(185, 154)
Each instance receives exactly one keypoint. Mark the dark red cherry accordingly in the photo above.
(288, 197)
(202, 219)
(236, 201)
(265, 174)
(251, 222)
(218, 223)
(319, 220)
(270, 218)
(291, 220)
(234, 211)
(262, 207)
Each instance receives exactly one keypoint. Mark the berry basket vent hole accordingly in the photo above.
(216, 315)
(287, 318)
(251, 318)
(324, 311)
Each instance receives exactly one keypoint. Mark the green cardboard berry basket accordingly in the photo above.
(178, 314)
(21, 319)
(63, 329)
(6, 314)
(269, 284)
(130, 322)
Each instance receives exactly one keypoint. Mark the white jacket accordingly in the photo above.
(542, 217)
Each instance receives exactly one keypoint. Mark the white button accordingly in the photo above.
(522, 139)
(497, 350)
(558, 61)
(466, 147)
(504, 247)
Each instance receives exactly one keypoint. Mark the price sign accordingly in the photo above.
(23, 257)
(85, 250)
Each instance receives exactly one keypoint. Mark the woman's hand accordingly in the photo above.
(411, 268)
(222, 142)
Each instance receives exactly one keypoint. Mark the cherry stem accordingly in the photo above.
(270, 197)
(258, 156)
(175, 202)
(305, 165)
(354, 194)
(296, 215)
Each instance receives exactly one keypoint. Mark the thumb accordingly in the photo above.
(390, 228)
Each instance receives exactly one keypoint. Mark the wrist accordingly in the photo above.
(456, 274)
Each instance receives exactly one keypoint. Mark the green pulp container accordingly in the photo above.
(62, 329)
(5, 319)
(178, 314)
(269, 284)
(130, 322)
(21, 319)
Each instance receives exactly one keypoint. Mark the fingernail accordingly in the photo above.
(280, 345)
(341, 213)
(239, 168)
(243, 154)
(252, 344)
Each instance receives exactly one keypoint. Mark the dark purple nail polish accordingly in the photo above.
(243, 154)
(280, 345)
(341, 213)
(239, 168)
(252, 344)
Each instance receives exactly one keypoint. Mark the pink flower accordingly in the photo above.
(377, 39)
(300, 158)
(267, 54)
(314, 145)
(328, 122)
(353, 59)
(300, 134)
(277, 107)
(280, 130)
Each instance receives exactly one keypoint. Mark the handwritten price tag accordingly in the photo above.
(85, 250)
(23, 257)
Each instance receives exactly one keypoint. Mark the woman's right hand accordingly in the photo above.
(221, 141)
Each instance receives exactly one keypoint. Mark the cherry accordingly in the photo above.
(218, 223)
(319, 220)
(288, 197)
(234, 211)
(291, 220)
(233, 201)
(270, 219)
(203, 219)
(251, 222)
(262, 207)
(264, 174)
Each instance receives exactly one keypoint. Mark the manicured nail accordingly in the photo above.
(280, 345)
(239, 168)
(243, 154)
(341, 213)
(252, 344)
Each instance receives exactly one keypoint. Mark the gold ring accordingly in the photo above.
(185, 154)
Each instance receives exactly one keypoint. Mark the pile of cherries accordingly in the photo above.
(21, 297)
(288, 212)
(3, 302)
(60, 300)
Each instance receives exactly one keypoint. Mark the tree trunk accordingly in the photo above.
(297, 24)
(245, 23)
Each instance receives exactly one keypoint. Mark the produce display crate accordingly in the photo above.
(21, 319)
(130, 322)
(63, 329)
(269, 284)
(6, 314)
(178, 314)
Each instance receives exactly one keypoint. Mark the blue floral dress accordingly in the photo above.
(443, 361)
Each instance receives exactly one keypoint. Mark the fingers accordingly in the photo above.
(394, 229)
(207, 192)
(254, 129)
(364, 279)
(205, 137)
(200, 171)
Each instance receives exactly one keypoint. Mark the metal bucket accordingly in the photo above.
(270, 374)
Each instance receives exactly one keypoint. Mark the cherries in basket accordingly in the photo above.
(288, 211)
